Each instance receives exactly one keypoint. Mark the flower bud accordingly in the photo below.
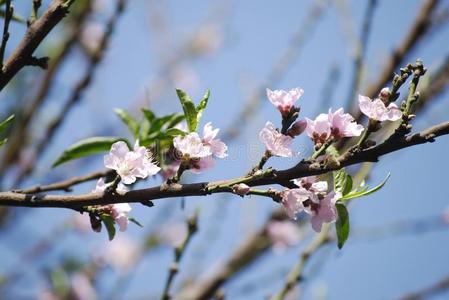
(95, 223)
(297, 128)
(240, 189)
(384, 94)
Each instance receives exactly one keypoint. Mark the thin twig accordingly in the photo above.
(76, 95)
(192, 225)
(9, 11)
(65, 185)
(295, 274)
(21, 129)
(359, 59)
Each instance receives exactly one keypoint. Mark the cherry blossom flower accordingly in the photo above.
(130, 164)
(336, 125)
(217, 147)
(121, 253)
(101, 187)
(312, 184)
(118, 211)
(343, 125)
(284, 100)
(324, 211)
(241, 189)
(81, 287)
(198, 166)
(277, 143)
(319, 130)
(283, 234)
(170, 170)
(376, 109)
(191, 146)
(173, 234)
(293, 199)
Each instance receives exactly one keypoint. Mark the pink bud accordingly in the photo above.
(297, 128)
(95, 223)
(240, 189)
(384, 94)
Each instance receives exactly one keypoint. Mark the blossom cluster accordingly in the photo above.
(129, 165)
(196, 152)
(311, 195)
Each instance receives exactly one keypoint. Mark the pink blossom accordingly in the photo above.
(130, 164)
(101, 187)
(293, 199)
(120, 213)
(191, 146)
(241, 189)
(376, 109)
(343, 125)
(81, 287)
(283, 234)
(275, 142)
(312, 184)
(173, 234)
(336, 125)
(170, 170)
(198, 166)
(284, 100)
(324, 211)
(121, 253)
(319, 130)
(217, 147)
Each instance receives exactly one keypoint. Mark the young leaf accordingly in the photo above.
(189, 110)
(87, 147)
(364, 191)
(149, 115)
(202, 106)
(6, 122)
(131, 219)
(130, 122)
(109, 222)
(172, 132)
(342, 224)
(342, 181)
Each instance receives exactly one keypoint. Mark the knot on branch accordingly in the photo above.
(41, 62)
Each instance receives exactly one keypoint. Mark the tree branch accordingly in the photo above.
(302, 169)
(34, 35)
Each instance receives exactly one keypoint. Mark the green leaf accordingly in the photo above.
(109, 222)
(131, 219)
(364, 191)
(87, 147)
(342, 224)
(132, 124)
(175, 120)
(6, 122)
(166, 121)
(2, 142)
(149, 115)
(342, 181)
(189, 109)
(172, 132)
(202, 106)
